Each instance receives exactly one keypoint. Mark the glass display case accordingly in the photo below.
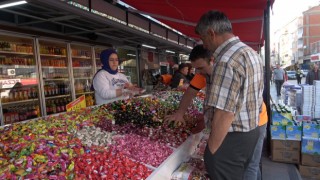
(19, 85)
(128, 64)
(56, 76)
(82, 67)
(97, 51)
(39, 76)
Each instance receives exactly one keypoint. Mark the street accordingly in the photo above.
(273, 91)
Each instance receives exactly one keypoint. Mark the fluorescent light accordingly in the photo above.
(131, 55)
(168, 51)
(147, 46)
(12, 3)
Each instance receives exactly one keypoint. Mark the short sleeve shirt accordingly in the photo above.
(236, 84)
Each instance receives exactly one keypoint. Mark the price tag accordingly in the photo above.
(77, 104)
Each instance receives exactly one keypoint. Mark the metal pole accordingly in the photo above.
(267, 70)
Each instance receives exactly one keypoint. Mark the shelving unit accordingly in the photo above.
(19, 84)
(56, 77)
(43, 65)
(82, 70)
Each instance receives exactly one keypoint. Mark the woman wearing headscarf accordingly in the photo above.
(109, 85)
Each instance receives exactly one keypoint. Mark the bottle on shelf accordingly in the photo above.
(48, 107)
(53, 107)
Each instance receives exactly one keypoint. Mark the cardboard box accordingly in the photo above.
(278, 132)
(293, 132)
(310, 146)
(286, 145)
(309, 172)
(310, 160)
(279, 119)
(310, 130)
(286, 156)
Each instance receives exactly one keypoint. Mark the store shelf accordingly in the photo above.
(85, 78)
(52, 55)
(16, 53)
(19, 66)
(19, 102)
(91, 92)
(57, 79)
(58, 96)
(87, 67)
(80, 57)
(54, 67)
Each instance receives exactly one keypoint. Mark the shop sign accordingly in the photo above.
(164, 64)
(8, 83)
(77, 104)
(315, 57)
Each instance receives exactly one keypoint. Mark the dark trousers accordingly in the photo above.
(231, 159)
(299, 80)
(278, 86)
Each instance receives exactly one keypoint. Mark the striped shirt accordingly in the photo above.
(236, 85)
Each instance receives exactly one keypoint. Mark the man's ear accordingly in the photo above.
(211, 33)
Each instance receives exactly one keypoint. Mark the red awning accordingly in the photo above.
(246, 15)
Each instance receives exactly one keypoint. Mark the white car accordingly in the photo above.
(291, 75)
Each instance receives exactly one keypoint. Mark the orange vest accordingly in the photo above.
(166, 79)
(263, 115)
(199, 81)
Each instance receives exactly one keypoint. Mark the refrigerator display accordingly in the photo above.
(82, 67)
(19, 85)
(128, 64)
(97, 51)
(56, 76)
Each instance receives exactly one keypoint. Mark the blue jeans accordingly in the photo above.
(253, 170)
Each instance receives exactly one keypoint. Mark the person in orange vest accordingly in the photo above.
(180, 77)
(198, 83)
(163, 82)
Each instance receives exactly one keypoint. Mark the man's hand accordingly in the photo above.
(177, 118)
(220, 125)
(200, 125)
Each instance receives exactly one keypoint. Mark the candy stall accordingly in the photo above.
(125, 139)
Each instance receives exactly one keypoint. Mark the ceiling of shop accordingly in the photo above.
(246, 16)
(57, 19)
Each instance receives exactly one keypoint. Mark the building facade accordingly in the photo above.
(311, 36)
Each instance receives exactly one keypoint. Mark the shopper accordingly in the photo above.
(163, 82)
(180, 76)
(279, 77)
(202, 58)
(233, 98)
(197, 83)
(190, 74)
(299, 75)
(110, 85)
(314, 74)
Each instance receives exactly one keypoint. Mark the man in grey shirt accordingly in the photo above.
(278, 75)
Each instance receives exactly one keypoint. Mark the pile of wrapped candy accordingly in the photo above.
(121, 140)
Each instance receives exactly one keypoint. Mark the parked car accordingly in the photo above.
(291, 75)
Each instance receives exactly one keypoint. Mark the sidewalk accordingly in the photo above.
(273, 170)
